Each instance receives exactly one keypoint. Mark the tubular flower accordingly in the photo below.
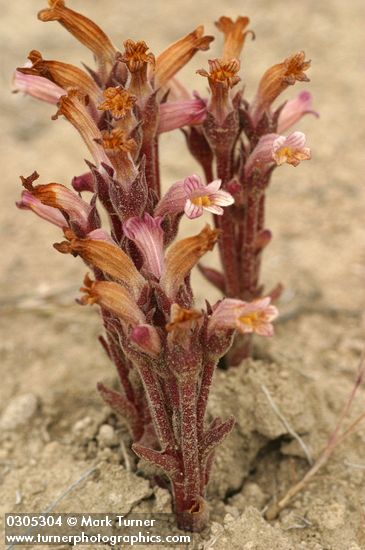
(84, 30)
(135, 55)
(100, 235)
(183, 255)
(176, 114)
(105, 256)
(273, 148)
(56, 195)
(120, 149)
(114, 298)
(234, 35)
(118, 140)
(275, 80)
(37, 87)
(193, 197)
(178, 54)
(182, 324)
(294, 110)
(118, 101)
(73, 107)
(48, 213)
(246, 317)
(66, 76)
(147, 339)
(137, 60)
(222, 76)
(148, 235)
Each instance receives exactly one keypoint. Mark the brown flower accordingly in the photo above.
(135, 55)
(276, 79)
(118, 101)
(221, 71)
(178, 54)
(114, 298)
(183, 255)
(120, 149)
(137, 60)
(222, 76)
(181, 318)
(182, 324)
(105, 256)
(84, 30)
(73, 107)
(56, 195)
(118, 140)
(234, 35)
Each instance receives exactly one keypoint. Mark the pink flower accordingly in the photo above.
(37, 87)
(100, 235)
(273, 148)
(147, 339)
(291, 149)
(294, 110)
(55, 195)
(85, 182)
(147, 233)
(246, 317)
(176, 114)
(49, 213)
(192, 196)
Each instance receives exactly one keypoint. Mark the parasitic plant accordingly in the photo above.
(165, 351)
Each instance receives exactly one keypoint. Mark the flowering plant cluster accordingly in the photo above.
(164, 349)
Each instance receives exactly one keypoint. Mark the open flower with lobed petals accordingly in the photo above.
(291, 149)
(273, 148)
(135, 55)
(275, 80)
(118, 101)
(246, 317)
(222, 76)
(234, 35)
(294, 110)
(192, 196)
(120, 149)
(84, 30)
(148, 235)
(137, 59)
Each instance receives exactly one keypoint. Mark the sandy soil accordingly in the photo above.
(51, 416)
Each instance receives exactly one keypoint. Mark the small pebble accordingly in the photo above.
(19, 411)
(106, 436)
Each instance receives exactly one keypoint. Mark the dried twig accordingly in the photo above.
(286, 424)
(354, 465)
(334, 440)
(127, 461)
